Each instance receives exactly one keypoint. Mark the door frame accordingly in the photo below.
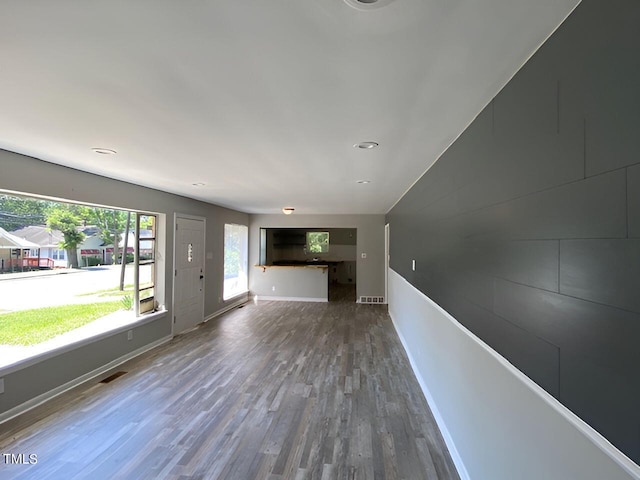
(186, 216)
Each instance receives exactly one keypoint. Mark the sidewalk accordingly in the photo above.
(38, 273)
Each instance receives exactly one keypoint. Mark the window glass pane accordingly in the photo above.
(147, 226)
(147, 251)
(235, 260)
(318, 242)
(146, 276)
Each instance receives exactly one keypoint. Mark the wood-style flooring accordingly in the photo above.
(275, 390)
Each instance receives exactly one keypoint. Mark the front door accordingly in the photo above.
(188, 282)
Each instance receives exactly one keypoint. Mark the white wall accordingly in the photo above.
(498, 424)
(301, 283)
(370, 240)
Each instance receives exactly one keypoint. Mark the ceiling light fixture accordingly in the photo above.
(104, 151)
(367, 4)
(288, 210)
(363, 181)
(365, 145)
(198, 184)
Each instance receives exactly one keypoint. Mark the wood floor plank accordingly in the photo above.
(275, 390)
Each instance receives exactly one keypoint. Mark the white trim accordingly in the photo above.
(268, 298)
(587, 431)
(44, 397)
(387, 247)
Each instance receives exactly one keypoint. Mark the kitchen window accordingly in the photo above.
(318, 242)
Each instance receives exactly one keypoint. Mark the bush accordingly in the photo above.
(93, 261)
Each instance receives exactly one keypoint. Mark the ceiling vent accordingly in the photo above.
(367, 4)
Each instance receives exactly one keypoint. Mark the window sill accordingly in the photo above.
(13, 358)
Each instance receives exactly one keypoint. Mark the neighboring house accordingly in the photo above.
(92, 251)
(13, 251)
(48, 241)
(146, 246)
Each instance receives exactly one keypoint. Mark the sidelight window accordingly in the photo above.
(235, 260)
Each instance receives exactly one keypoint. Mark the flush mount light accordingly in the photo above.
(198, 184)
(288, 210)
(365, 145)
(363, 181)
(367, 4)
(104, 151)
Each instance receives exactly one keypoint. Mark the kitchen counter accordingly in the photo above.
(294, 282)
(323, 265)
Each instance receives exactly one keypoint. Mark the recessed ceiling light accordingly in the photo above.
(366, 145)
(288, 210)
(363, 181)
(104, 151)
(198, 184)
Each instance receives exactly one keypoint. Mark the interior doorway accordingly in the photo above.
(343, 273)
(188, 280)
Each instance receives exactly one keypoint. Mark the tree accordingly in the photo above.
(67, 219)
(111, 223)
(124, 256)
(16, 212)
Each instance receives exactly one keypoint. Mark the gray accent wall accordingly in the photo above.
(527, 229)
(27, 175)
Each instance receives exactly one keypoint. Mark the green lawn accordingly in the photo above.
(29, 327)
(110, 292)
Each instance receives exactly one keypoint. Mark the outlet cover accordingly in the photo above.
(1, 385)
(363, 255)
(130, 335)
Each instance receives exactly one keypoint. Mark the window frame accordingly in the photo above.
(146, 304)
(243, 260)
(122, 321)
(322, 246)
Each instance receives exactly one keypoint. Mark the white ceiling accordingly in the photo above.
(260, 100)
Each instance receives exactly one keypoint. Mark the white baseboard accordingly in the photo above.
(290, 299)
(42, 398)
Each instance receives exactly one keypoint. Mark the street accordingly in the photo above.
(60, 287)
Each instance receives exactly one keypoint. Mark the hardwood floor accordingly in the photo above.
(277, 390)
(342, 292)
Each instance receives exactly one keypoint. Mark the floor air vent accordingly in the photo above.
(111, 378)
(371, 300)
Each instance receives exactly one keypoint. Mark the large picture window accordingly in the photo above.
(235, 260)
(71, 271)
